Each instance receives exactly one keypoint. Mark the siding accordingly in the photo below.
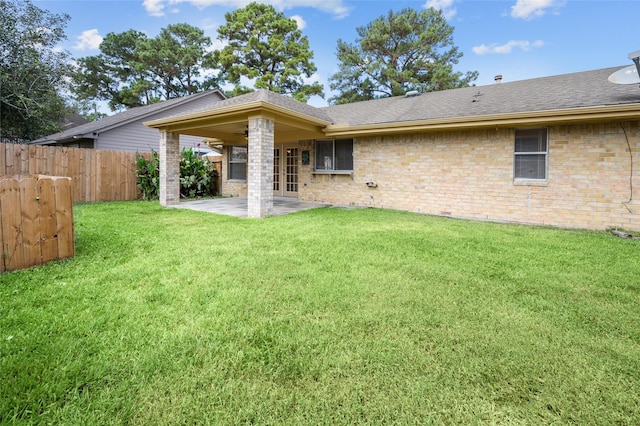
(135, 136)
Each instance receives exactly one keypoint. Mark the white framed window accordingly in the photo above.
(334, 155)
(530, 154)
(238, 162)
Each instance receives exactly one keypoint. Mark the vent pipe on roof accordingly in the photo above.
(498, 78)
(411, 94)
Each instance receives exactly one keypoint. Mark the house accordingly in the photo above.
(560, 150)
(125, 132)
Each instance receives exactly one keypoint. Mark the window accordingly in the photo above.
(334, 155)
(238, 162)
(531, 152)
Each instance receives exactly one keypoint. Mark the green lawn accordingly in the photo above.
(328, 316)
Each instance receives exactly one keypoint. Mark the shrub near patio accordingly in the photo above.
(327, 316)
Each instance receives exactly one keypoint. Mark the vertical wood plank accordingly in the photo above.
(3, 159)
(23, 158)
(2, 269)
(82, 176)
(30, 222)
(73, 171)
(52, 156)
(64, 217)
(95, 177)
(48, 224)
(11, 231)
(9, 159)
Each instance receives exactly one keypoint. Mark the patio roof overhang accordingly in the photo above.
(229, 124)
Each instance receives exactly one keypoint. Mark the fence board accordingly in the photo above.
(10, 213)
(30, 226)
(48, 227)
(64, 217)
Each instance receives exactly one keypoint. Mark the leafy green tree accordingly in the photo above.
(32, 71)
(133, 69)
(393, 54)
(115, 74)
(267, 47)
(176, 58)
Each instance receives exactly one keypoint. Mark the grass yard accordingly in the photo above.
(327, 316)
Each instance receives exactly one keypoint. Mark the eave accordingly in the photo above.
(531, 118)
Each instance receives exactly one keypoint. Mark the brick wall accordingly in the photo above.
(469, 174)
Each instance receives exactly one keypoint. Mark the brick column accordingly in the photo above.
(260, 167)
(169, 154)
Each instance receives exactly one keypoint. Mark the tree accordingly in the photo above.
(267, 47)
(406, 51)
(133, 70)
(32, 70)
(176, 58)
(114, 75)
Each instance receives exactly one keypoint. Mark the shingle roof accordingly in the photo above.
(581, 89)
(264, 96)
(125, 117)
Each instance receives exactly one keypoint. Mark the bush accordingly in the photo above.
(198, 178)
(148, 175)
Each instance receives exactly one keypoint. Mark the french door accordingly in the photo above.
(285, 171)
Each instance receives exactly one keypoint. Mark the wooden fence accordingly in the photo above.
(36, 220)
(97, 175)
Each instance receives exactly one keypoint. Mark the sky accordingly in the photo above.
(518, 39)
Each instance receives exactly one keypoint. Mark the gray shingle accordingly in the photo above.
(582, 89)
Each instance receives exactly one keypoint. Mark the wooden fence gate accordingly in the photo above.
(36, 220)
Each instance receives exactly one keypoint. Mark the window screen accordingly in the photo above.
(531, 152)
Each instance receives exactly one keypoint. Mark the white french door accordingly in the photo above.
(285, 171)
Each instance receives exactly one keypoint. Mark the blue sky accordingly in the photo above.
(518, 39)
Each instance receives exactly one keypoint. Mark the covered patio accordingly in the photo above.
(258, 120)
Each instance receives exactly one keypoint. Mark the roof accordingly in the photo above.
(125, 117)
(581, 96)
(556, 93)
(265, 97)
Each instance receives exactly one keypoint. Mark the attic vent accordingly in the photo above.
(498, 78)
(411, 94)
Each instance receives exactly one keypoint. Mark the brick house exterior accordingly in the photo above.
(462, 153)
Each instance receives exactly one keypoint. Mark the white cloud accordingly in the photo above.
(337, 8)
(301, 22)
(530, 9)
(88, 40)
(154, 7)
(506, 48)
(446, 6)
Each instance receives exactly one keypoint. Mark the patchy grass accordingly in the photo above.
(326, 316)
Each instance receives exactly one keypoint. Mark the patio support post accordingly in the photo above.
(260, 167)
(169, 156)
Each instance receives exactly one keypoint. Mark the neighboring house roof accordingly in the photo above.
(582, 96)
(89, 130)
(73, 120)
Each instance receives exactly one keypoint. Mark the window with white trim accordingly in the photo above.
(334, 155)
(531, 153)
(238, 162)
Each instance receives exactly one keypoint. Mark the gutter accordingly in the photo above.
(576, 115)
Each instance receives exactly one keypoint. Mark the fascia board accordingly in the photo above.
(618, 112)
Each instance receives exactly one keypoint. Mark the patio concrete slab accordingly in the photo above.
(237, 206)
